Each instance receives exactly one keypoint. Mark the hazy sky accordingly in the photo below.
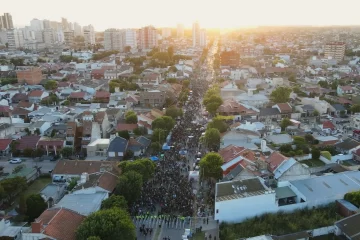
(167, 13)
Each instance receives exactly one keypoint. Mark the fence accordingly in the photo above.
(303, 157)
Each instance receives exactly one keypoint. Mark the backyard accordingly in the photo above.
(313, 163)
(35, 187)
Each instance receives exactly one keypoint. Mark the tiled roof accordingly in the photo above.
(4, 143)
(24, 104)
(274, 160)
(102, 94)
(284, 107)
(60, 223)
(230, 105)
(27, 142)
(329, 125)
(35, 93)
(51, 142)
(230, 152)
(20, 111)
(19, 97)
(77, 95)
(79, 167)
(4, 109)
(126, 126)
(346, 88)
(99, 117)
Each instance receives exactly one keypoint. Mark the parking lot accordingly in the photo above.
(45, 165)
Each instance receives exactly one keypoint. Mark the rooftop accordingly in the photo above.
(239, 189)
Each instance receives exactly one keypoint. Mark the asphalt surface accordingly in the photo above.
(45, 165)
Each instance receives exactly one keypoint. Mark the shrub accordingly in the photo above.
(326, 154)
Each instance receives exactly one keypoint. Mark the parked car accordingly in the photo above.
(15, 160)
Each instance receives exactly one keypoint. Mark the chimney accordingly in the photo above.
(36, 227)
(84, 177)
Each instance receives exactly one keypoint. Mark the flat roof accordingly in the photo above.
(328, 186)
(239, 189)
(102, 141)
(284, 192)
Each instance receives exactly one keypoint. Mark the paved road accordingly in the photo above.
(45, 165)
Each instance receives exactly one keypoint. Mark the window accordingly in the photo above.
(217, 210)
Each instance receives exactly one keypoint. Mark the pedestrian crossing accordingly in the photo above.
(176, 223)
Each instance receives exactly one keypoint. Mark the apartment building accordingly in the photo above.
(78, 29)
(69, 38)
(148, 37)
(6, 21)
(203, 38)
(49, 37)
(15, 39)
(180, 31)
(153, 98)
(335, 50)
(112, 39)
(128, 38)
(89, 34)
(30, 75)
(166, 32)
(70, 134)
(196, 34)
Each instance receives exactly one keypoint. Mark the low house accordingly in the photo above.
(343, 90)
(230, 107)
(327, 140)
(328, 126)
(102, 119)
(280, 139)
(5, 146)
(20, 113)
(117, 148)
(126, 127)
(27, 142)
(139, 145)
(51, 146)
(102, 96)
(98, 148)
(78, 96)
(55, 223)
(18, 97)
(275, 160)
(37, 95)
(347, 146)
(152, 98)
(291, 169)
(337, 109)
(42, 126)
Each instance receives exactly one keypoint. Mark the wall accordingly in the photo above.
(297, 171)
(334, 159)
(303, 157)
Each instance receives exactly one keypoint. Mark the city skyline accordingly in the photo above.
(231, 13)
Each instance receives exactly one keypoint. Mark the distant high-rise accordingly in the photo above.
(69, 38)
(166, 32)
(65, 24)
(112, 39)
(6, 21)
(46, 24)
(89, 35)
(196, 34)
(128, 39)
(335, 50)
(148, 37)
(36, 25)
(77, 29)
(49, 37)
(180, 31)
(15, 39)
(202, 38)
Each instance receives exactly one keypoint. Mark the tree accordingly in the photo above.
(107, 224)
(144, 166)
(28, 152)
(309, 138)
(22, 205)
(124, 134)
(210, 166)
(212, 139)
(159, 135)
(37, 131)
(129, 186)
(164, 122)
(114, 202)
(67, 152)
(285, 123)
(219, 124)
(131, 117)
(35, 206)
(281, 95)
(316, 113)
(50, 85)
(93, 238)
(174, 112)
(128, 155)
(38, 152)
(139, 131)
(171, 52)
(355, 108)
(315, 152)
(155, 147)
(323, 84)
(13, 186)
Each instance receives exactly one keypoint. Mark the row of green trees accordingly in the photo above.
(353, 197)
(212, 100)
(280, 223)
(123, 85)
(102, 55)
(161, 128)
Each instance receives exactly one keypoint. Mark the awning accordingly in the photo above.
(165, 147)
(154, 158)
(284, 192)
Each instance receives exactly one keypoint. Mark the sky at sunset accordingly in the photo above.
(210, 13)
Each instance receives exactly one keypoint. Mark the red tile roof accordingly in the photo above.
(27, 142)
(77, 95)
(328, 125)
(35, 93)
(24, 104)
(20, 111)
(126, 126)
(274, 160)
(60, 223)
(51, 142)
(284, 107)
(102, 94)
(4, 143)
(346, 88)
(4, 109)
(98, 71)
(230, 152)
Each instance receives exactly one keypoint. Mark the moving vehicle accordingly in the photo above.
(15, 160)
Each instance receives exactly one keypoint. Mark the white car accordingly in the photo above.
(15, 160)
